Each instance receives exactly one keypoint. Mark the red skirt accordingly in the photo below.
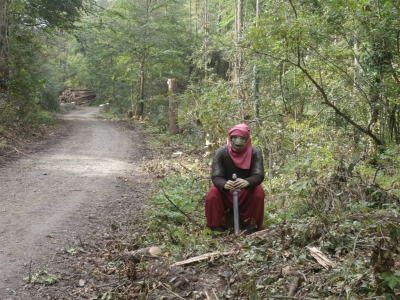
(251, 206)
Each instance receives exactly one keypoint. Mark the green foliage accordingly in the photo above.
(7, 115)
(30, 35)
(317, 45)
(188, 200)
(128, 52)
(208, 110)
(42, 277)
(40, 117)
(157, 106)
(176, 215)
(43, 13)
(308, 207)
(72, 251)
(391, 280)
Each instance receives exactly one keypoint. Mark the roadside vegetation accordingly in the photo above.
(330, 231)
(349, 212)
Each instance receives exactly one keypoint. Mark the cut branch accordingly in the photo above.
(321, 258)
(201, 257)
(139, 254)
(294, 286)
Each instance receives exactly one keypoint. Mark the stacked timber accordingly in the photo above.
(80, 97)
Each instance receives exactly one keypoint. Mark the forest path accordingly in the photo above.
(51, 199)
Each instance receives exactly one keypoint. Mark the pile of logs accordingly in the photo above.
(80, 97)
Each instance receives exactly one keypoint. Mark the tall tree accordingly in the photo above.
(3, 50)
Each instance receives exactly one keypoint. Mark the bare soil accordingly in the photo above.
(63, 193)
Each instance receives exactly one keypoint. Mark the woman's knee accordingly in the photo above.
(213, 193)
(259, 192)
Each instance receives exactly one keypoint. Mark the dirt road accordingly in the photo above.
(52, 198)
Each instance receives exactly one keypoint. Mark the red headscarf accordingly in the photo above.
(242, 158)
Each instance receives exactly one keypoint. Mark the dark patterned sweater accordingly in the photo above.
(223, 168)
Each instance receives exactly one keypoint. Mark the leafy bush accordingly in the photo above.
(7, 115)
(40, 117)
(179, 199)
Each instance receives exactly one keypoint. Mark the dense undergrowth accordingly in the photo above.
(347, 208)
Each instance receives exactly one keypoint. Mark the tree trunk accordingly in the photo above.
(142, 82)
(4, 68)
(238, 59)
(173, 106)
(133, 108)
(256, 75)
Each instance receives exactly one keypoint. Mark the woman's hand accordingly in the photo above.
(229, 185)
(237, 184)
(241, 183)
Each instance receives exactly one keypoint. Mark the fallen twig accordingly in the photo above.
(262, 232)
(208, 297)
(216, 297)
(200, 258)
(20, 152)
(294, 286)
(139, 254)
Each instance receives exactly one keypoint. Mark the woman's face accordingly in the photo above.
(238, 142)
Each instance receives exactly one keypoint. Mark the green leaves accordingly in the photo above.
(392, 280)
(176, 200)
(59, 14)
(42, 277)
